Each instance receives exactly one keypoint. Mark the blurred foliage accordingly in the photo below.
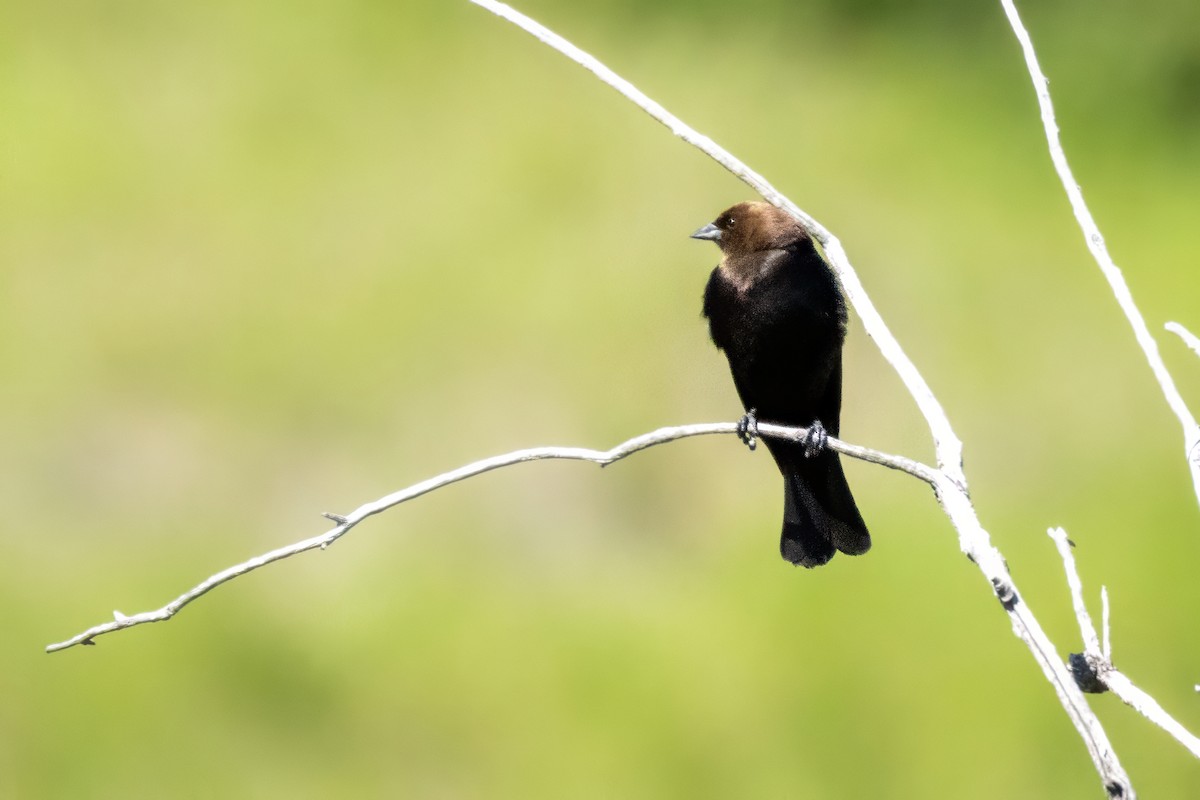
(264, 260)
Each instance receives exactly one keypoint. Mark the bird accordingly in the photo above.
(774, 306)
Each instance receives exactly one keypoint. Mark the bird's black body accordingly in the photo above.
(774, 307)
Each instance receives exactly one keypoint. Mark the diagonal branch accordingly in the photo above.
(951, 484)
(1095, 243)
(602, 457)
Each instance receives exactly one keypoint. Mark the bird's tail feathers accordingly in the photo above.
(820, 516)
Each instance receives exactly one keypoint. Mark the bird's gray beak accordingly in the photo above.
(709, 231)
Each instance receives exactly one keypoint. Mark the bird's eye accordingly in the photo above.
(729, 223)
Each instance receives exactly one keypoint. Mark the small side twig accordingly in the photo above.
(1091, 641)
(602, 457)
(1094, 668)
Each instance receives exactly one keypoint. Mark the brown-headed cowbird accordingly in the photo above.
(774, 306)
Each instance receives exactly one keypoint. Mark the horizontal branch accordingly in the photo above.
(602, 457)
(1097, 659)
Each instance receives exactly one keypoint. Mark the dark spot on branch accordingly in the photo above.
(88, 642)
(1005, 594)
(1114, 789)
(1084, 672)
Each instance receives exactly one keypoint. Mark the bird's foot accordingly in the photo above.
(815, 440)
(747, 429)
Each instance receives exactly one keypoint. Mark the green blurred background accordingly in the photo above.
(265, 260)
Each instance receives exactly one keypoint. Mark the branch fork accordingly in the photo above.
(1093, 668)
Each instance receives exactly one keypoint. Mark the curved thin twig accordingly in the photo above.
(602, 457)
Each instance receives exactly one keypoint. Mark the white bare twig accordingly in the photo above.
(602, 457)
(1098, 659)
(1189, 338)
(1095, 243)
(1107, 620)
(950, 485)
(1091, 641)
(1192, 440)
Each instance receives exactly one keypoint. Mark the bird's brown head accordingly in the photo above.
(752, 227)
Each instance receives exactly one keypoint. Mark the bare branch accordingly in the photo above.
(602, 457)
(1107, 620)
(1099, 659)
(1095, 243)
(1148, 707)
(1091, 642)
(1188, 337)
(951, 484)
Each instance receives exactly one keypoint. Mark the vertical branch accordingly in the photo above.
(1095, 243)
